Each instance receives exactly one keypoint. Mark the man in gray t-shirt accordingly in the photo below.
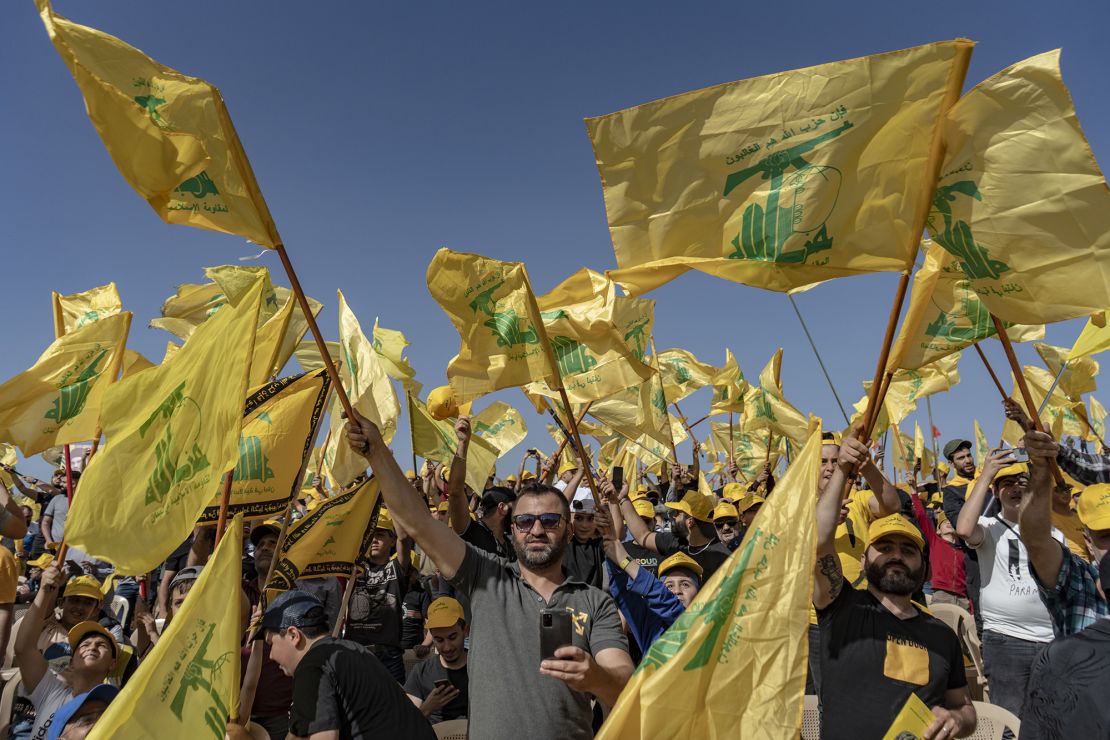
(513, 691)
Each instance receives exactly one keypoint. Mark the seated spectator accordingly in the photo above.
(340, 689)
(438, 685)
(80, 603)
(76, 717)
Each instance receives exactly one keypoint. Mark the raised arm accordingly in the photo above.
(572, 484)
(458, 509)
(695, 468)
(12, 523)
(828, 577)
(641, 534)
(444, 547)
(32, 666)
(885, 501)
(967, 526)
(1046, 555)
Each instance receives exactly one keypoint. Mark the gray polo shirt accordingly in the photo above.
(512, 698)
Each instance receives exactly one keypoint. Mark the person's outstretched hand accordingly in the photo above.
(362, 434)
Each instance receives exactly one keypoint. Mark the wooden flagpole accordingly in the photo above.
(990, 371)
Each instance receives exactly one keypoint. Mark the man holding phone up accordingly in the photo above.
(507, 603)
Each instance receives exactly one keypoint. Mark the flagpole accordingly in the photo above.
(1052, 388)
(225, 499)
(820, 362)
(1027, 397)
(731, 443)
(990, 370)
(932, 428)
(566, 438)
(699, 421)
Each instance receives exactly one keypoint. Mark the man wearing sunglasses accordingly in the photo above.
(506, 602)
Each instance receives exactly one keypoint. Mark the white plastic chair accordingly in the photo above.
(993, 721)
(452, 729)
(119, 608)
(811, 719)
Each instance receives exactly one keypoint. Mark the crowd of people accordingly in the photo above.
(549, 597)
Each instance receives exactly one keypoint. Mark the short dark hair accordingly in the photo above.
(312, 631)
(496, 495)
(542, 489)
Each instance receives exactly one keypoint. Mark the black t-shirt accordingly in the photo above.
(710, 557)
(377, 605)
(871, 661)
(422, 681)
(479, 535)
(648, 559)
(339, 685)
(1067, 688)
(585, 561)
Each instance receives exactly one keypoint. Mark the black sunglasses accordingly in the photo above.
(525, 522)
(723, 522)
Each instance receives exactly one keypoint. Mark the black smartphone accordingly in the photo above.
(618, 477)
(442, 683)
(554, 632)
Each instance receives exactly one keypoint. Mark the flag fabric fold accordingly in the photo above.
(74, 311)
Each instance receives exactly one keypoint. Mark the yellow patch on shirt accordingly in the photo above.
(906, 661)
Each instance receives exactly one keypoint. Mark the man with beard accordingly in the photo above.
(954, 495)
(1016, 624)
(692, 531)
(726, 520)
(877, 647)
(489, 531)
(507, 601)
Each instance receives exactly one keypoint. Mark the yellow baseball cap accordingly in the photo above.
(42, 561)
(681, 560)
(644, 508)
(526, 475)
(1011, 470)
(86, 586)
(385, 520)
(732, 491)
(749, 500)
(567, 464)
(443, 505)
(444, 612)
(1094, 506)
(696, 505)
(511, 478)
(82, 629)
(441, 403)
(725, 510)
(894, 524)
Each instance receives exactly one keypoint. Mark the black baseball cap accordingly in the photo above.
(294, 609)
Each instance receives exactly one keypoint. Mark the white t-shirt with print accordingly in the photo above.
(1008, 597)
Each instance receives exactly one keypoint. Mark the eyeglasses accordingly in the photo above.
(525, 522)
(726, 522)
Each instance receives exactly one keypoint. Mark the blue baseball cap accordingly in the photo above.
(104, 692)
(294, 609)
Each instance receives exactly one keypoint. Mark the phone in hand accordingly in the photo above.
(554, 632)
(442, 683)
(1019, 455)
(618, 477)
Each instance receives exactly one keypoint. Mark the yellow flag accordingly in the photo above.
(598, 337)
(1062, 415)
(268, 343)
(907, 387)
(74, 311)
(683, 373)
(169, 134)
(982, 446)
(499, 425)
(921, 451)
(1078, 378)
(390, 346)
(309, 356)
(1097, 419)
(133, 362)
(1021, 202)
(945, 315)
(188, 685)
(172, 431)
(8, 455)
(370, 393)
(902, 449)
(737, 656)
(280, 421)
(729, 387)
(435, 440)
(1094, 338)
(329, 540)
(778, 181)
(609, 453)
(639, 411)
(189, 306)
(749, 449)
(58, 400)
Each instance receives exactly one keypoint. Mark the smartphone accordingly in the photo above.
(554, 632)
(442, 683)
(618, 477)
(1020, 455)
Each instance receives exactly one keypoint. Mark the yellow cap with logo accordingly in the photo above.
(680, 560)
(694, 504)
(732, 491)
(1012, 470)
(749, 500)
(725, 510)
(1094, 506)
(894, 524)
(86, 586)
(644, 508)
(444, 612)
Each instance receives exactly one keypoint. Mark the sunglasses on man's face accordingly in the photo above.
(726, 523)
(525, 522)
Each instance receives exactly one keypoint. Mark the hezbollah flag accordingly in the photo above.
(329, 540)
(729, 387)
(58, 400)
(435, 440)
(945, 315)
(280, 421)
(308, 355)
(1062, 415)
(1077, 376)
(390, 346)
(172, 433)
(749, 449)
(736, 658)
(169, 134)
(640, 413)
(768, 409)
(982, 446)
(1094, 338)
(133, 362)
(368, 388)
(778, 181)
(190, 306)
(1097, 419)
(683, 373)
(902, 449)
(907, 387)
(189, 684)
(921, 451)
(74, 311)
(500, 426)
(598, 338)
(1021, 203)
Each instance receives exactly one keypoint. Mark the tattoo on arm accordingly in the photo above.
(829, 566)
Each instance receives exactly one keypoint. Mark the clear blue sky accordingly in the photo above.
(382, 131)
